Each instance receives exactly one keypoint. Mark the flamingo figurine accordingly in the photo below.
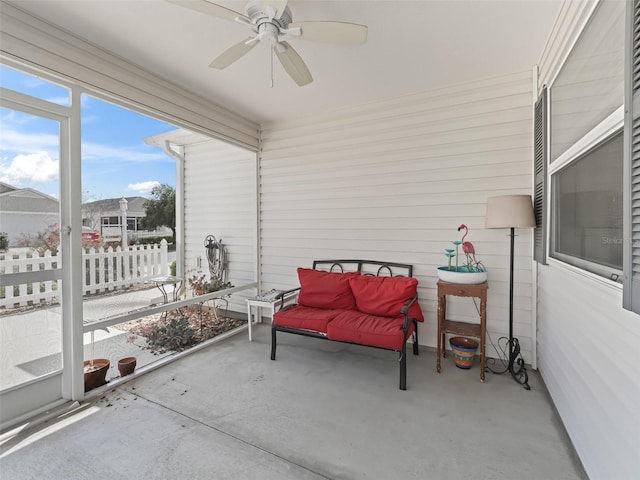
(467, 247)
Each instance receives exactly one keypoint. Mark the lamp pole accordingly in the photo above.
(123, 209)
(520, 374)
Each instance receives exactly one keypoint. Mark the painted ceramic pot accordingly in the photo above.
(464, 349)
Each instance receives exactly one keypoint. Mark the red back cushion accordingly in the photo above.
(385, 296)
(321, 289)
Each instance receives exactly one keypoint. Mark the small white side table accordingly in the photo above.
(259, 304)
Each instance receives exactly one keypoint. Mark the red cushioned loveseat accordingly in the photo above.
(354, 301)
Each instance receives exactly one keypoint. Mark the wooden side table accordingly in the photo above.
(462, 328)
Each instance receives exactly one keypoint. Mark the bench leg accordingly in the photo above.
(403, 368)
(416, 351)
(273, 342)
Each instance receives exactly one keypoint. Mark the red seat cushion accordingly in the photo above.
(356, 327)
(325, 290)
(306, 318)
(385, 296)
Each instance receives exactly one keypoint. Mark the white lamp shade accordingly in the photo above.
(510, 211)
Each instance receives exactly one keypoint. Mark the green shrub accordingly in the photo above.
(173, 335)
(4, 241)
(172, 268)
(155, 239)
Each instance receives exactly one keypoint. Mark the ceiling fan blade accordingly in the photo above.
(280, 5)
(293, 64)
(209, 8)
(234, 53)
(332, 32)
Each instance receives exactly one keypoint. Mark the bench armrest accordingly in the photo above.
(405, 311)
(287, 296)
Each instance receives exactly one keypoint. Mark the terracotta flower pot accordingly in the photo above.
(95, 374)
(126, 366)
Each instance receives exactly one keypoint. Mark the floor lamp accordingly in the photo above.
(512, 211)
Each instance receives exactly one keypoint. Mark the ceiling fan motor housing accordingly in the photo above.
(261, 12)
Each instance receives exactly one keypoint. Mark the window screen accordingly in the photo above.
(590, 85)
(587, 202)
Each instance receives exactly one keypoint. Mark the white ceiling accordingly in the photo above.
(412, 46)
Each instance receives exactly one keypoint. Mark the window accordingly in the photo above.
(586, 148)
(587, 202)
(132, 224)
(111, 220)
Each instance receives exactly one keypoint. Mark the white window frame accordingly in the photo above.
(592, 139)
(610, 126)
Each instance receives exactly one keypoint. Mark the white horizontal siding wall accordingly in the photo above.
(588, 357)
(393, 181)
(220, 200)
(587, 343)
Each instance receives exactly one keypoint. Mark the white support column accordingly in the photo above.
(71, 250)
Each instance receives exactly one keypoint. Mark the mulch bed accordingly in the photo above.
(180, 329)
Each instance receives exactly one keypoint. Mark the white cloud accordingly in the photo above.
(96, 152)
(143, 187)
(15, 137)
(36, 167)
(15, 141)
(64, 101)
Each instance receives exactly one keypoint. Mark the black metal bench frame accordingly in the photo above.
(365, 267)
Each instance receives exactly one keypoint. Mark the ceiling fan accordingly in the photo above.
(271, 21)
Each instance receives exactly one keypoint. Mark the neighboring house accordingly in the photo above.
(105, 216)
(24, 212)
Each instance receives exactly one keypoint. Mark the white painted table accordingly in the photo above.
(259, 304)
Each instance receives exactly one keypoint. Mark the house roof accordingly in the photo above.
(412, 46)
(26, 199)
(6, 188)
(107, 206)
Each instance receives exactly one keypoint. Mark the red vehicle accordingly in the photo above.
(89, 235)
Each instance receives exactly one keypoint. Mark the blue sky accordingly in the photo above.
(115, 160)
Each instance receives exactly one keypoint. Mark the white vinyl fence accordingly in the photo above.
(104, 270)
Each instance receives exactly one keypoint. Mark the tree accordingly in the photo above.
(47, 239)
(160, 209)
(4, 241)
(92, 211)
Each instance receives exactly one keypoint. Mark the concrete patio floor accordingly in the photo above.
(320, 411)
